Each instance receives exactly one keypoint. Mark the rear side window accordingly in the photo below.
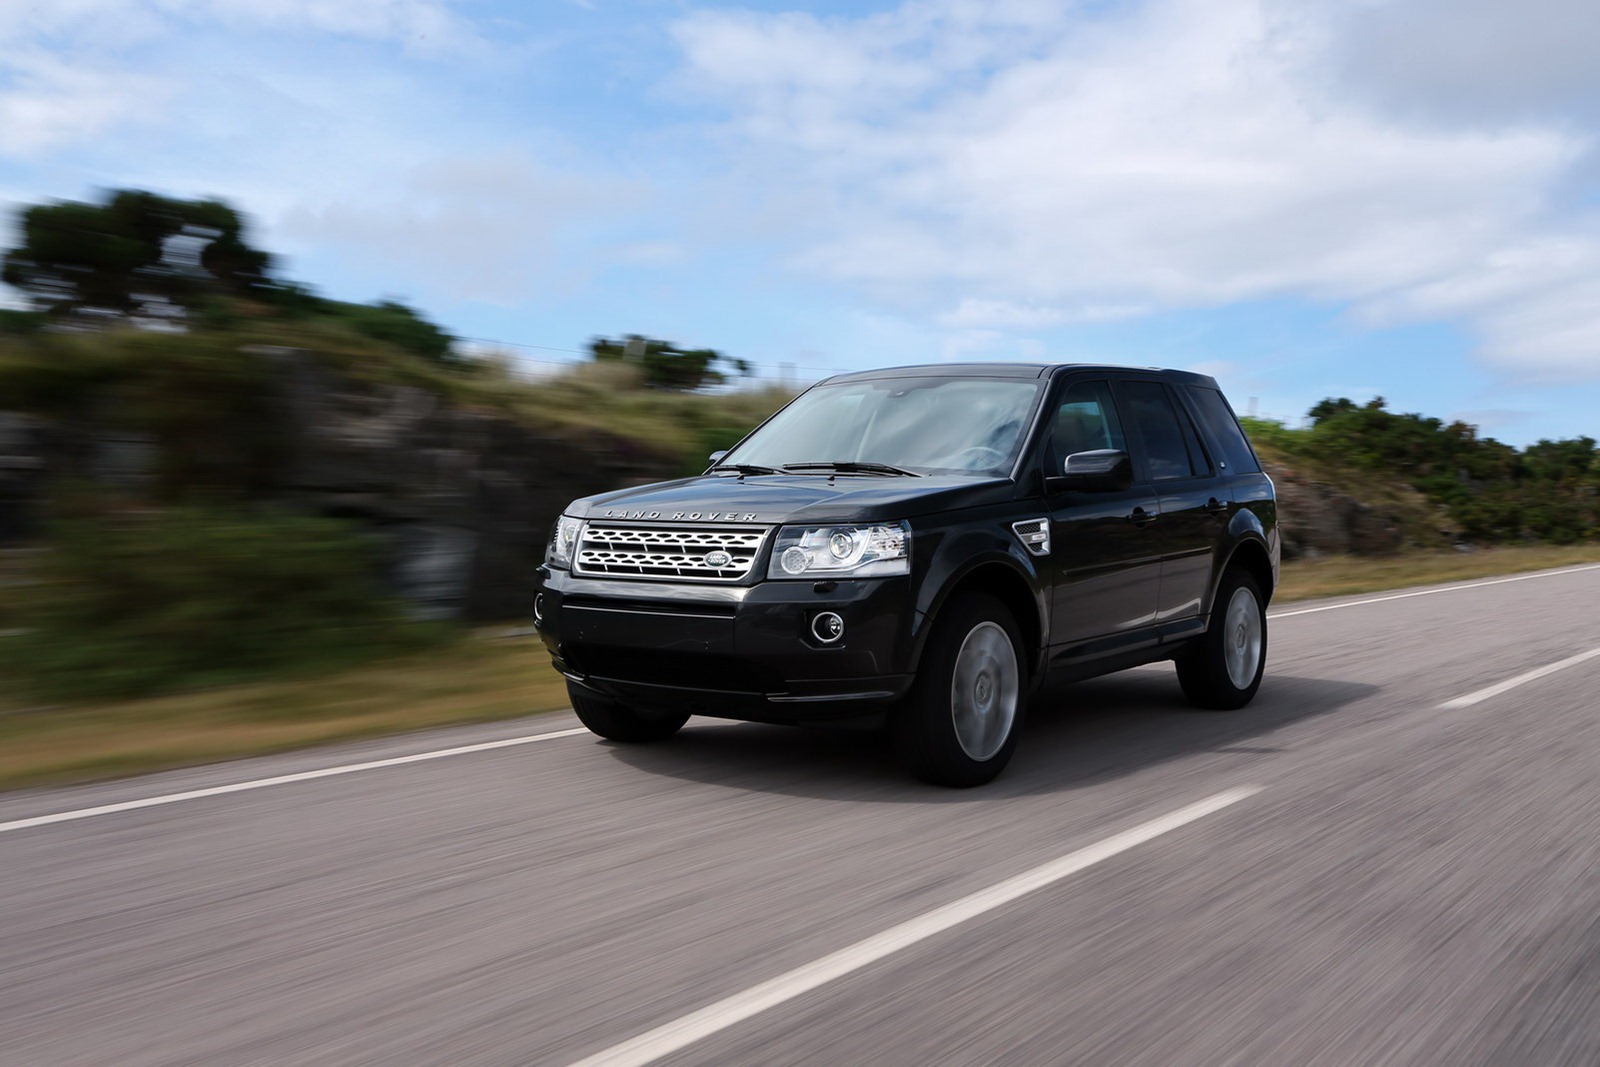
(1170, 447)
(1223, 429)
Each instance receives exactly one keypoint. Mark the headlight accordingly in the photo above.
(841, 551)
(562, 540)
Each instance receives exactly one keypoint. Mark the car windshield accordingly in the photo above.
(919, 425)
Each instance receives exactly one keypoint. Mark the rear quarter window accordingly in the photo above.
(1223, 429)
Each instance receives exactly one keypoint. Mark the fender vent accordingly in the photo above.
(1034, 535)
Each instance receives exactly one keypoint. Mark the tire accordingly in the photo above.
(959, 725)
(1224, 670)
(618, 722)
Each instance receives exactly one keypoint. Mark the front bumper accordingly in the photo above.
(742, 652)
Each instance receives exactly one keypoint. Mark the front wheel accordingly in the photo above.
(618, 722)
(960, 723)
(1224, 670)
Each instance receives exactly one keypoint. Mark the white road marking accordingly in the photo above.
(282, 779)
(1431, 592)
(1522, 679)
(679, 1033)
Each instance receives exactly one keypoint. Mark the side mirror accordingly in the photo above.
(716, 457)
(1103, 470)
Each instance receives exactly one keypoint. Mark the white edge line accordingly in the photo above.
(1522, 679)
(282, 779)
(684, 1031)
(1431, 592)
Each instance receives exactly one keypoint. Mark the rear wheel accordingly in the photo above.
(1224, 670)
(960, 723)
(619, 722)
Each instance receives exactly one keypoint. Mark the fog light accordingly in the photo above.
(827, 627)
(538, 610)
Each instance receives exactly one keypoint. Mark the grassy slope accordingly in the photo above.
(1345, 575)
(476, 680)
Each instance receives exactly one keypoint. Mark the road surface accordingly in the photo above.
(1392, 856)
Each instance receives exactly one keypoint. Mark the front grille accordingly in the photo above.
(668, 551)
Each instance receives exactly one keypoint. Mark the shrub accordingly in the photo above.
(191, 596)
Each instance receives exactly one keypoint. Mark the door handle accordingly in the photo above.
(1215, 506)
(1141, 517)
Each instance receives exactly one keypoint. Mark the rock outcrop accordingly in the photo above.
(1315, 519)
(461, 500)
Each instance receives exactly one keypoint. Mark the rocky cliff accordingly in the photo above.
(460, 500)
(1318, 519)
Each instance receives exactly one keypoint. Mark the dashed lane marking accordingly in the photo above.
(685, 1031)
(1479, 696)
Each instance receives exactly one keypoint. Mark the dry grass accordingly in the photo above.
(1345, 575)
(470, 681)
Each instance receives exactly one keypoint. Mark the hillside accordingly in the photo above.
(1363, 479)
(1325, 509)
(457, 469)
(215, 506)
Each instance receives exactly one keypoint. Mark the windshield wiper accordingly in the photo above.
(744, 468)
(851, 466)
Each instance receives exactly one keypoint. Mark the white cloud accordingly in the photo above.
(491, 228)
(977, 313)
(1010, 165)
(376, 163)
(1467, 60)
(46, 103)
(67, 75)
(986, 345)
(421, 26)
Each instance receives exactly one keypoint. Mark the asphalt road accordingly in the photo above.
(1383, 879)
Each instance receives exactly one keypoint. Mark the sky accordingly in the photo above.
(1361, 198)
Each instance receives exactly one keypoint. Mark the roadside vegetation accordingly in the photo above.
(1491, 492)
(479, 677)
(123, 605)
(1348, 575)
(192, 617)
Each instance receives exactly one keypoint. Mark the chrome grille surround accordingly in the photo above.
(633, 550)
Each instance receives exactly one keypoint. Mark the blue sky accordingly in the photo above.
(1386, 197)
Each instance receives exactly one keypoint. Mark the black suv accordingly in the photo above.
(925, 547)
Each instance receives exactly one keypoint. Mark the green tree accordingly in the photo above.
(136, 255)
(139, 256)
(393, 322)
(666, 366)
(1549, 491)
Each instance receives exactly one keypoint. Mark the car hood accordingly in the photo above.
(783, 498)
